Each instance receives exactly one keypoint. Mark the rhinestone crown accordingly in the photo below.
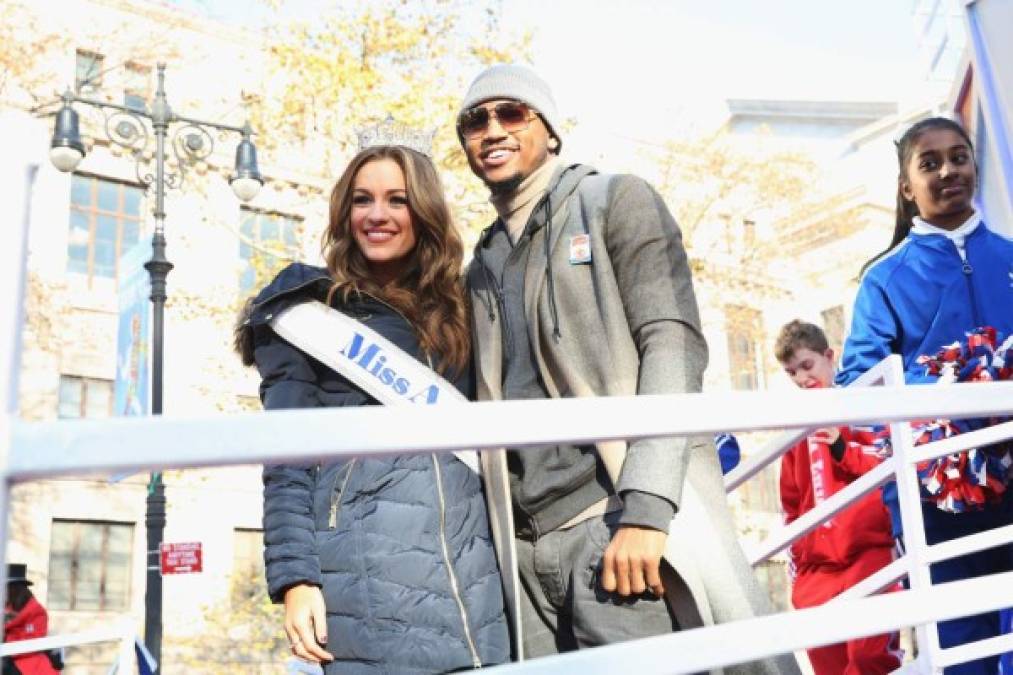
(390, 132)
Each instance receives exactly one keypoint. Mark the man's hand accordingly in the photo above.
(631, 563)
(306, 623)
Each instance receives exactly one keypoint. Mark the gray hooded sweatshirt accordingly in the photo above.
(550, 484)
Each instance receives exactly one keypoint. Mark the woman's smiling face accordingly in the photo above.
(381, 220)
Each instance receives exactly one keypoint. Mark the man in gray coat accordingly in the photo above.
(581, 287)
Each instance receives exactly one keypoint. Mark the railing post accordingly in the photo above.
(5, 507)
(909, 499)
(5, 503)
(18, 178)
(127, 653)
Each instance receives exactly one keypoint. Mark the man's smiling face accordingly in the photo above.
(503, 159)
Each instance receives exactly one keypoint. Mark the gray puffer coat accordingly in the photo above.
(399, 545)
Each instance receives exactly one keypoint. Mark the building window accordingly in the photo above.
(105, 221)
(833, 326)
(267, 242)
(82, 397)
(89, 565)
(744, 332)
(138, 86)
(88, 71)
(247, 565)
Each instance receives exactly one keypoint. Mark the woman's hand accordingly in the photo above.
(306, 622)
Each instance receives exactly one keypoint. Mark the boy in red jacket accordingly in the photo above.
(856, 542)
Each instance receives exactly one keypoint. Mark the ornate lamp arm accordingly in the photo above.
(191, 141)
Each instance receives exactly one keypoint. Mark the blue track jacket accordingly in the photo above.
(921, 296)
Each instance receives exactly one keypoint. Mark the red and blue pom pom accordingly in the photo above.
(971, 479)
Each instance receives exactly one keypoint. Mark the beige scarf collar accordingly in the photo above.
(515, 208)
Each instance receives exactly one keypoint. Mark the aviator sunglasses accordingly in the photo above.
(511, 115)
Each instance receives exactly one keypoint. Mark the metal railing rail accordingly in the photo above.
(914, 564)
(124, 444)
(122, 631)
(52, 448)
(777, 446)
(18, 179)
(810, 520)
(703, 649)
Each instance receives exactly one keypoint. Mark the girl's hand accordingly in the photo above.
(306, 623)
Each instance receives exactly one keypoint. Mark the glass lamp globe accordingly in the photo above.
(65, 158)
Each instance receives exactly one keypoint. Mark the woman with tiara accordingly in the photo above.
(383, 564)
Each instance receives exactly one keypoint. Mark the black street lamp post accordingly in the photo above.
(191, 142)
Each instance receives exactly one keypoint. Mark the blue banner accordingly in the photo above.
(132, 391)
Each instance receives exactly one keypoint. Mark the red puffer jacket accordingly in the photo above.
(28, 624)
(810, 475)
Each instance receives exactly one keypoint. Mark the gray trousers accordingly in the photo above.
(562, 605)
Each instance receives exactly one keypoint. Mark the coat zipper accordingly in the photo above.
(968, 271)
(498, 287)
(497, 294)
(332, 519)
(388, 306)
(475, 660)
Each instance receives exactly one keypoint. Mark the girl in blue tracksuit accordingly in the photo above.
(943, 275)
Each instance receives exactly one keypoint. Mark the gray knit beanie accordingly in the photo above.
(517, 82)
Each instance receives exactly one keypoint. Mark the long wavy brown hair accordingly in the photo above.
(428, 290)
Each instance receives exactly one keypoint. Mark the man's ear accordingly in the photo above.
(553, 143)
(829, 353)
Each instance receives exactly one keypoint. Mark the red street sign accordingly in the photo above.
(184, 558)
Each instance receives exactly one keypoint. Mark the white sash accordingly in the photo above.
(370, 361)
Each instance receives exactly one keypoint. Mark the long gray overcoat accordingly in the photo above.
(627, 324)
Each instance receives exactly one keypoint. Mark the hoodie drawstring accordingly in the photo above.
(546, 205)
(489, 281)
(548, 267)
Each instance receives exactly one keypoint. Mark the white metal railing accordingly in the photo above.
(18, 180)
(53, 448)
(122, 631)
(135, 444)
(914, 564)
(702, 649)
(778, 445)
(31, 451)
(810, 520)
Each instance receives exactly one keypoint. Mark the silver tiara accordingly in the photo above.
(390, 132)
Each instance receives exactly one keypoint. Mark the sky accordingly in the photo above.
(650, 61)
(859, 49)
(634, 68)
